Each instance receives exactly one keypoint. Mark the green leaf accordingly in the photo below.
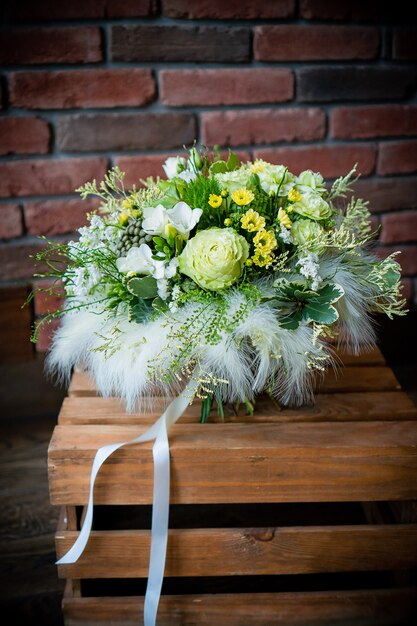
(391, 277)
(159, 305)
(144, 287)
(322, 313)
(329, 293)
(232, 162)
(218, 167)
(139, 312)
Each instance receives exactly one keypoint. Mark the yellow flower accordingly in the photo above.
(252, 221)
(242, 196)
(224, 193)
(215, 201)
(249, 263)
(264, 241)
(294, 195)
(227, 221)
(258, 166)
(123, 218)
(127, 203)
(284, 219)
(262, 259)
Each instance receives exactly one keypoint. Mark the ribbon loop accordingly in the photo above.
(160, 507)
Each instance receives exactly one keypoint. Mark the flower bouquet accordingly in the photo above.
(239, 276)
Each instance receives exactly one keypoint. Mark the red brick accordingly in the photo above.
(125, 131)
(23, 135)
(10, 221)
(159, 43)
(55, 217)
(140, 167)
(404, 44)
(262, 126)
(354, 82)
(399, 227)
(233, 9)
(46, 177)
(51, 45)
(48, 296)
(371, 10)
(225, 86)
(330, 160)
(388, 194)
(131, 8)
(45, 334)
(363, 122)
(82, 88)
(407, 259)
(79, 9)
(16, 260)
(307, 43)
(397, 157)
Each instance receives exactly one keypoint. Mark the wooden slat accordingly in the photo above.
(358, 379)
(245, 551)
(384, 405)
(375, 607)
(345, 461)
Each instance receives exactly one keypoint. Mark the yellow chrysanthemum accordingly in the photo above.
(284, 219)
(257, 166)
(294, 195)
(252, 221)
(265, 241)
(242, 196)
(224, 193)
(262, 259)
(214, 200)
(123, 218)
(228, 221)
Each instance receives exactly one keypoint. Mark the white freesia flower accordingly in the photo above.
(309, 267)
(188, 176)
(172, 165)
(171, 268)
(183, 217)
(139, 260)
(156, 220)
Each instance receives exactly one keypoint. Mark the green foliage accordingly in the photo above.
(342, 185)
(297, 302)
(197, 193)
(143, 287)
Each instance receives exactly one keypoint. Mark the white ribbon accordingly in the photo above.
(160, 511)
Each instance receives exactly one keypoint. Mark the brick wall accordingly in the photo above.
(90, 83)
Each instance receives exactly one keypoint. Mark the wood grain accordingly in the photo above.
(383, 405)
(245, 551)
(376, 607)
(344, 461)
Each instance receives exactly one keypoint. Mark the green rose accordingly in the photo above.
(307, 234)
(214, 258)
(312, 206)
(309, 181)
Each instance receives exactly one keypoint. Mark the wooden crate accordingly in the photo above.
(304, 516)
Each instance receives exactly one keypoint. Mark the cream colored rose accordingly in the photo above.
(214, 258)
(313, 206)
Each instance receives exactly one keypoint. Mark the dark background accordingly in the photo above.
(86, 84)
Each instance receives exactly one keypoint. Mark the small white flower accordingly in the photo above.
(171, 268)
(183, 217)
(162, 286)
(309, 267)
(285, 235)
(172, 165)
(156, 220)
(187, 175)
(140, 261)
